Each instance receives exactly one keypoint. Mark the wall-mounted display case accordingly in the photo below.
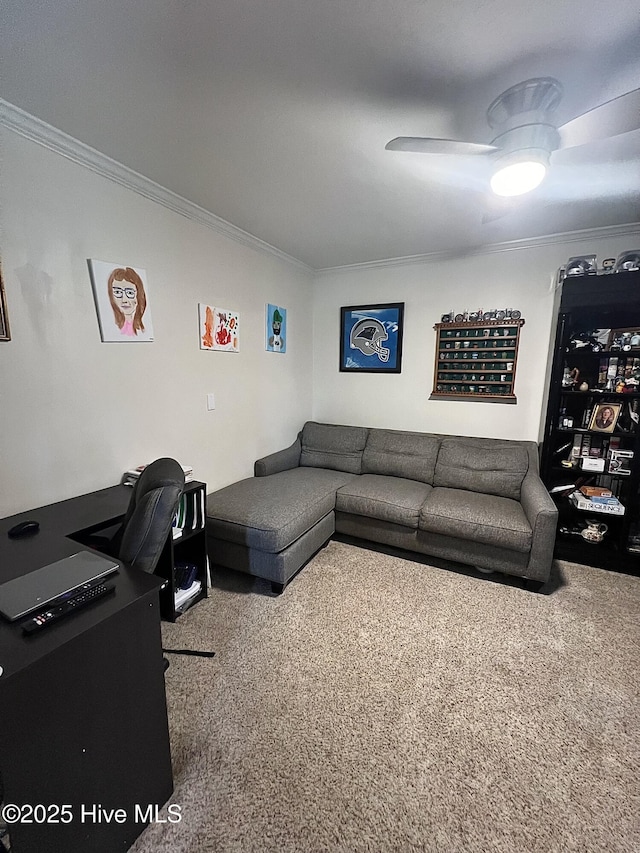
(476, 361)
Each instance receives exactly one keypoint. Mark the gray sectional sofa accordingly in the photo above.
(478, 501)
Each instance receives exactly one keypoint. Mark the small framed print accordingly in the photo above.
(605, 417)
(219, 328)
(371, 338)
(5, 334)
(276, 338)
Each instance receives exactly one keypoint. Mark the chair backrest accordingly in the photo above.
(150, 514)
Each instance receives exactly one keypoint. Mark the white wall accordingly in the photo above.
(520, 278)
(76, 412)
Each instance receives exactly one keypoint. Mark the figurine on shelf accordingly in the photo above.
(583, 265)
(628, 261)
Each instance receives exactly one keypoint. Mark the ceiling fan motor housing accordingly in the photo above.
(523, 118)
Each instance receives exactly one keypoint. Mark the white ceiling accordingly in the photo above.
(274, 114)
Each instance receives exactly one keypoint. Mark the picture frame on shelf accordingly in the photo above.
(605, 417)
(371, 338)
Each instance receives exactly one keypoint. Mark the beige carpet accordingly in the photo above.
(381, 704)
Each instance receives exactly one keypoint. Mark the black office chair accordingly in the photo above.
(143, 534)
(140, 539)
(147, 523)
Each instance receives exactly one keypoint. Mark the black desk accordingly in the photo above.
(83, 718)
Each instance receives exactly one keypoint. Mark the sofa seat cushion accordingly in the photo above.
(484, 465)
(490, 519)
(333, 446)
(391, 499)
(269, 513)
(401, 454)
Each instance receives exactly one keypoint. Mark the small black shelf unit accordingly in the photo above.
(187, 545)
(589, 303)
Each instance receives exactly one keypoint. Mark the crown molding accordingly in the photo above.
(629, 228)
(55, 140)
(23, 123)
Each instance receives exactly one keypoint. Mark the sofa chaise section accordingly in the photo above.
(271, 524)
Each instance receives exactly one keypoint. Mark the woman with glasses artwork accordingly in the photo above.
(128, 300)
(122, 302)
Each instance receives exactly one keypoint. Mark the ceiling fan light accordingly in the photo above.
(519, 177)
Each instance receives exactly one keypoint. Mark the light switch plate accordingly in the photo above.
(211, 402)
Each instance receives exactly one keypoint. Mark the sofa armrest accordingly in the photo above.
(542, 515)
(281, 460)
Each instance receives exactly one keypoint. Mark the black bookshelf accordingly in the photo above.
(187, 545)
(585, 378)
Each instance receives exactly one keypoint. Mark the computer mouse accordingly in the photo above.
(25, 528)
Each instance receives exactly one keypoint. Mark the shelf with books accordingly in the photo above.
(592, 424)
(184, 558)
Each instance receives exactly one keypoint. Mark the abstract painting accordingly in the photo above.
(219, 328)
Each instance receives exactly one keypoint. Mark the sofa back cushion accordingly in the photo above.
(338, 448)
(394, 453)
(489, 466)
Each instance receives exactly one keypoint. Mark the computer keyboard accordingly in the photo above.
(59, 611)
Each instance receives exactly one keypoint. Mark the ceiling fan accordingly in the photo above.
(526, 135)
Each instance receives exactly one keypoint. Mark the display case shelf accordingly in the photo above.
(476, 360)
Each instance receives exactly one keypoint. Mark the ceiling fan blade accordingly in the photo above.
(620, 115)
(496, 207)
(421, 145)
(492, 215)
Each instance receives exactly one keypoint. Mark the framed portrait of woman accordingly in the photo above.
(605, 417)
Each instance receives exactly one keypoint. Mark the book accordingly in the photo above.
(583, 503)
(596, 446)
(576, 448)
(570, 487)
(595, 491)
(134, 473)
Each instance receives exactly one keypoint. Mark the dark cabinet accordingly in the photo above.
(591, 450)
